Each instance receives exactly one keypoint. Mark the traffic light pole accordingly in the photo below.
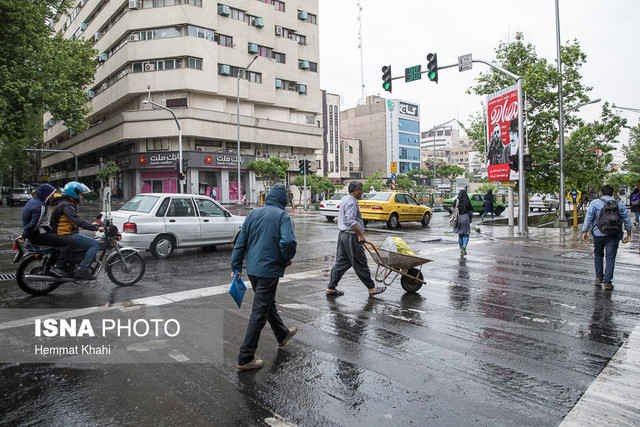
(305, 184)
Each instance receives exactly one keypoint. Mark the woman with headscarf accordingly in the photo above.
(463, 227)
(488, 204)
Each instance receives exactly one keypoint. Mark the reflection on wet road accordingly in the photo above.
(512, 334)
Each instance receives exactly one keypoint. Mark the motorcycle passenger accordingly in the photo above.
(66, 222)
(35, 222)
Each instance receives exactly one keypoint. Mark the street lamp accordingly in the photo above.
(635, 110)
(50, 150)
(561, 141)
(149, 101)
(240, 73)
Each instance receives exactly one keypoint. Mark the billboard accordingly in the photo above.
(504, 138)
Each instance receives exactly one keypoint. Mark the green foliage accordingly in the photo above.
(632, 150)
(39, 71)
(540, 86)
(419, 176)
(618, 180)
(403, 182)
(488, 186)
(374, 181)
(583, 169)
(450, 171)
(91, 196)
(108, 171)
(316, 184)
(269, 172)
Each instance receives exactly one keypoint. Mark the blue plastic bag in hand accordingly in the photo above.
(237, 289)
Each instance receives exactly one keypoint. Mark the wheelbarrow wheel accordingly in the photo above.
(409, 284)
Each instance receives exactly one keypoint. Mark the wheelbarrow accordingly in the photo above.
(391, 264)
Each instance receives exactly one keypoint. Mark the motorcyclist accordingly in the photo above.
(35, 222)
(66, 222)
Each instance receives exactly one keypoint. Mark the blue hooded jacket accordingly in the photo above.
(266, 238)
(34, 214)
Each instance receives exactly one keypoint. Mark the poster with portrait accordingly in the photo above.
(502, 128)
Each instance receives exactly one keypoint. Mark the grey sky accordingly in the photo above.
(402, 32)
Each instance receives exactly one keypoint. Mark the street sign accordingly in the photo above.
(508, 183)
(412, 73)
(465, 62)
(393, 176)
(574, 196)
(394, 167)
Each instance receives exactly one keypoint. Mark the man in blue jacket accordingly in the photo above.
(269, 243)
(35, 222)
(605, 242)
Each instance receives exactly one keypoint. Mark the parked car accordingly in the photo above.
(162, 222)
(543, 201)
(393, 208)
(477, 201)
(329, 208)
(19, 195)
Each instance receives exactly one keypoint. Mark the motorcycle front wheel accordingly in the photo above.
(32, 266)
(125, 268)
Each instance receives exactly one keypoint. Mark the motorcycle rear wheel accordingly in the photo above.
(125, 273)
(32, 265)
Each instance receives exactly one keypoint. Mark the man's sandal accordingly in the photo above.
(335, 293)
(379, 290)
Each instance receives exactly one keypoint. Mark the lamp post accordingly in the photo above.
(56, 151)
(149, 101)
(635, 110)
(240, 73)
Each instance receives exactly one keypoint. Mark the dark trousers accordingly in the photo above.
(264, 310)
(608, 244)
(350, 253)
(65, 244)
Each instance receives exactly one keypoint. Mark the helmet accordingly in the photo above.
(73, 188)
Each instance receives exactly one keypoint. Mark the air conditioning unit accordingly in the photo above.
(258, 22)
(134, 37)
(97, 36)
(225, 69)
(91, 94)
(133, 4)
(199, 149)
(302, 15)
(278, 30)
(302, 89)
(51, 122)
(84, 26)
(104, 56)
(148, 66)
(253, 48)
(278, 84)
(304, 65)
(258, 153)
(224, 10)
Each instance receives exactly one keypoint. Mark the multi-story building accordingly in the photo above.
(190, 56)
(340, 158)
(390, 133)
(447, 144)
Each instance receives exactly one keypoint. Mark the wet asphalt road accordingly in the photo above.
(512, 334)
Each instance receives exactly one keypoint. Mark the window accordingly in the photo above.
(181, 208)
(157, 144)
(163, 207)
(238, 14)
(330, 166)
(225, 40)
(267, 52)
(194, 2)
(208, 209)
(409, 125)
(201, 33)
(253, 77)
(409, 153)
(408, 139)
(279, 5)
(195, 63)
(311, 18)
(207, 143)
(159, 33)
(279, 57)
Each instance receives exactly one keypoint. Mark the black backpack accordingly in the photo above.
(609, 221)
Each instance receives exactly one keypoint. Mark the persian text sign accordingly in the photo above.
(504, 140)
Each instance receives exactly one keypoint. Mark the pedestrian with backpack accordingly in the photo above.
(635, 204)
(606, 218)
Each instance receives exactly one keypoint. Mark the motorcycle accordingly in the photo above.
(124, 266)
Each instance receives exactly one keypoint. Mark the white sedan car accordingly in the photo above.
(329, 208)
(543, 201)
(162, 222)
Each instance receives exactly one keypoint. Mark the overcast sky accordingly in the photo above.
(402, 32)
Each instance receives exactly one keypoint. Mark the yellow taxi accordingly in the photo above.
(393, 208)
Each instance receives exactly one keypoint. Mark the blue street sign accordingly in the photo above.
(393, 176)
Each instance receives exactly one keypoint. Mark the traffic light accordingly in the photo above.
(182, 176)
(307, 167)
(432, 66)
(386, 78)
(514, 162)
(185, 165)
(527, 162)
(301, 166)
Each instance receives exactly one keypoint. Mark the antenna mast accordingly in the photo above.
(360, 47)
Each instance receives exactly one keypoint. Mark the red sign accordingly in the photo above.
(504, 142)
(208, 160)
(142, 160)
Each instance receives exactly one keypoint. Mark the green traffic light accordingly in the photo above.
(431, 75)
(386, 85)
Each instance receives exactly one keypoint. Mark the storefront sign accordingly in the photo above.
(195, 159)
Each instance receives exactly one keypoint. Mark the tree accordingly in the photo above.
(420, 175)
(450, 171)
(269, 172)
(315, 184)
(108, 171)
(374, 181)
(584, 170)
(404, 182)
(39, 71)
(632, 150)
(540, 84)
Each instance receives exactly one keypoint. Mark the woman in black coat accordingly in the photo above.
(635, 206)
(488, 204)
(463, 226)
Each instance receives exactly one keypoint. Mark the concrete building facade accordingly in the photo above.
(187, 55)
